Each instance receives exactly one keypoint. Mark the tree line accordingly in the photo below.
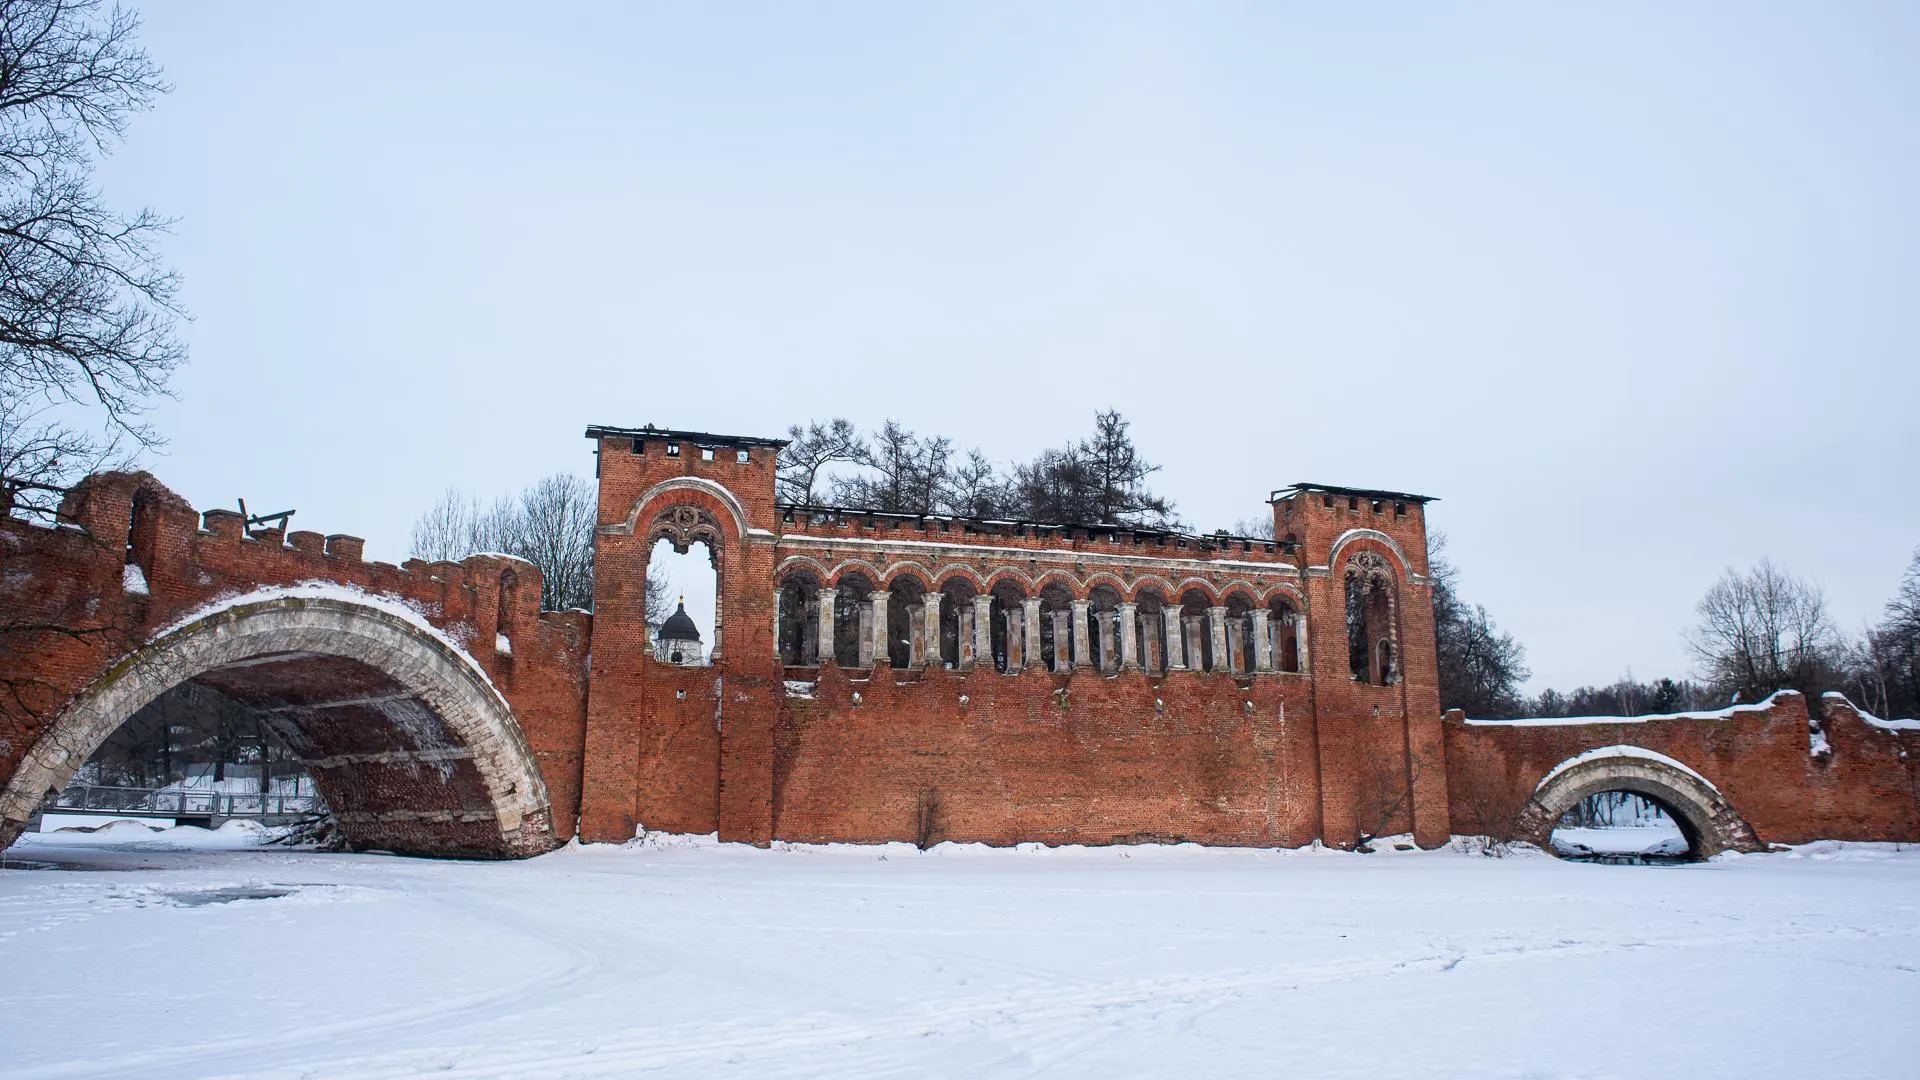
(1099, 479)
(1754, 632)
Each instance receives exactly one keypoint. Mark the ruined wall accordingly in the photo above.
(130, 558)
(757, 746)
(1761, 758)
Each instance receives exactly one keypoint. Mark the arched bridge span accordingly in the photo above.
(405, 736)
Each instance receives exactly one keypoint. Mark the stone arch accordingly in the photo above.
(1062, 579)
(1146, 583)
(1112, 581)
(1282, 591)
(720, 496)
(1008, 574)
(911, 570)
(1709, 822)
(953, 571)
(806, 563)
(383, 709)
(1379, 539)
(856, 566)
(1205, 587)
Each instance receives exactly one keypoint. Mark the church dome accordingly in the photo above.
(679, 627)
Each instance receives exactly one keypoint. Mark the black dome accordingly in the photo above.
(679, 627)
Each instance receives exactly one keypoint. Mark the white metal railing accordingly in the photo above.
(163, 802)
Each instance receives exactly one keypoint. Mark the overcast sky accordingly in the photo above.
(1632, 291)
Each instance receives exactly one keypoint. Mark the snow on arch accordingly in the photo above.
(1620, 751)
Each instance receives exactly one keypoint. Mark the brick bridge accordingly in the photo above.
(873, 677)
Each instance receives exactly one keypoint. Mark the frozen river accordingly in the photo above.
(688, 959)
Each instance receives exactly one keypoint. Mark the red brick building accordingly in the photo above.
(872, 677)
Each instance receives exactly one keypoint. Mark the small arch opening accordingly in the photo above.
(1623, 827)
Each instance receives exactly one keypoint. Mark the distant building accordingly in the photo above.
(679, 641)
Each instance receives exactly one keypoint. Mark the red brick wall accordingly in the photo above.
(1257, 759)
(1758, 758)
(1081, 758)
(71, 576)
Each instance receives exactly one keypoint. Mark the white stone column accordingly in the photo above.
(963, 656)
(1300, 640)
(882, 650)
(1195, 629)
(810, 633)
(779, 616)
(1030, 620)
(917, 635)
(1129, 638)
(1176, 639)
(1262, 641)
(825, 634)
(1222, 661)
(931, 658)
(1082, 648)
(983, 630)
(1062, 642)
(1105, 659)
(866, 635)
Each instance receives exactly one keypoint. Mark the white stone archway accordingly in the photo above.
(424, 757)
(1709, 822)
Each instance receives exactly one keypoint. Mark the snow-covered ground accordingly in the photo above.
(1650, 838)
(682, 958)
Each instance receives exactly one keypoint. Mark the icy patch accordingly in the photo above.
(800, 688)
(133, 579)
(502, 645)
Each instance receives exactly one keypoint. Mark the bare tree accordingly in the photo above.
(1260, 527)
(811, 449)
(1884, 667)
(87, 311)
(550, 524)
(555, 532)
(1481, 668)
(902, 473)
(1762, 631)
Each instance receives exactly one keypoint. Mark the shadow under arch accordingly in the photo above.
(405, 737)
(1706, 819)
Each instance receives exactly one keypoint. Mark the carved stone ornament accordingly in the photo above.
(1369, 564)
(683, 526)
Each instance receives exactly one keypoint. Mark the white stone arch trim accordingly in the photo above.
(863, 566)
(1165, 588)
(1348, 537)
(1242, 586)
(686, 483)
(1074, 586)
(1211, 590)
(949, 571)
(1709, 821)
(282, 621)
(1286, 592)
(799, 562)
(1110, 580)
(1009, 573)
